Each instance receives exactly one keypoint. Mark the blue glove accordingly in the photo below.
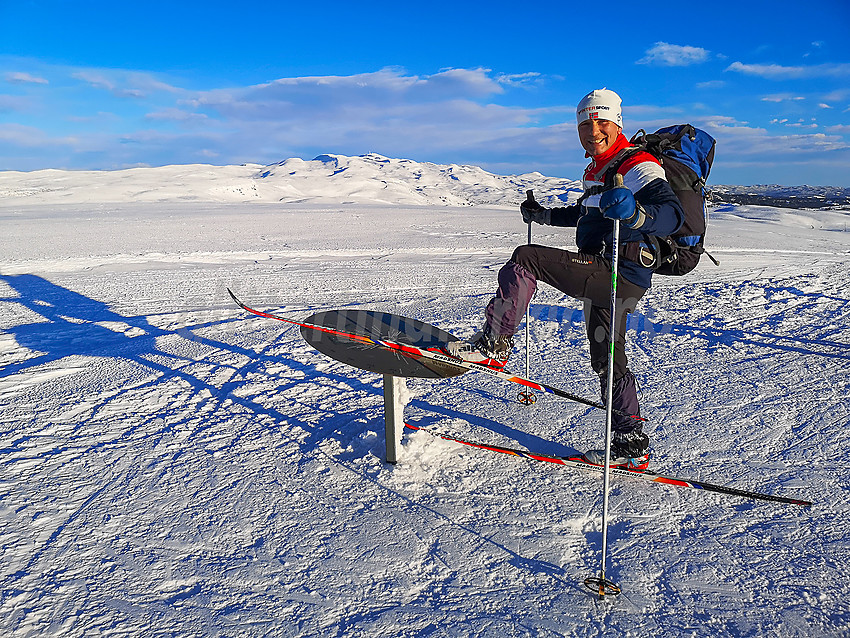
(619, 203)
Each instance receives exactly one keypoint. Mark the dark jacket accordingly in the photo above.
(644, 176)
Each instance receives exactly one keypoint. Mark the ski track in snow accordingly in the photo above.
(174, 466)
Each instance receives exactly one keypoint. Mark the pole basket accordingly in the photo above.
(601, 586)
(526, 398)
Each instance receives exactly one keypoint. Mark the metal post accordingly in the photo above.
(393, 416)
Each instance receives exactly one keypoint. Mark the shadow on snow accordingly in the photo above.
(69, 324)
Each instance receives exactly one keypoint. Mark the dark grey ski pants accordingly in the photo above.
(583, 277)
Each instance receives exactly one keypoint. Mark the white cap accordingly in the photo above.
(600, 104)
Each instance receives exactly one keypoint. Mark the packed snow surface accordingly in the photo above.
(173, 466)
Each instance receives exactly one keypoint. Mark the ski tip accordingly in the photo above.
(232, 296)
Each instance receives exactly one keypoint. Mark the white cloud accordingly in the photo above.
(464, 82)
(711, 84)
(519, 79)
(124, 84)
(737, 140)
(782, 97)
(379, 92)
(756, 145)
(664, 54)
(368, 97)
(823, 105)
(778, 72)
(176, 115)
(24, 78)
(817, 45)
(101, 81)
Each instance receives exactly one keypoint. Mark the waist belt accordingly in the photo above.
(639, 252)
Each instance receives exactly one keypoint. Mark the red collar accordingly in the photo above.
(599, 162)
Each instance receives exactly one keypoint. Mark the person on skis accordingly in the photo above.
(644, 205)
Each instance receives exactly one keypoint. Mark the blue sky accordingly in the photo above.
(97, 85)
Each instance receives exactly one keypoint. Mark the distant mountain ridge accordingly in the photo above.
(327, 179)
(340, 179)
(375, 178)
(810, 197)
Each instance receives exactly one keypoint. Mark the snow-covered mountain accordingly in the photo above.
(340, 179)
(374, 178)
(327, 179)
(811, 197)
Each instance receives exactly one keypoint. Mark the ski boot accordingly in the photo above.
(629, 451)
(484, 349)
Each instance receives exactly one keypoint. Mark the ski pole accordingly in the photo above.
(602, 585)
(527, 397)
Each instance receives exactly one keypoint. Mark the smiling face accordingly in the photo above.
(597, 136)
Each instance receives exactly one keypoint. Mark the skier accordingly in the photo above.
(644, 205)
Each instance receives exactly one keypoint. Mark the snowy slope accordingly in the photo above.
(327, 179)
(175, 467)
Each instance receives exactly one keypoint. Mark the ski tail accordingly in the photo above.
(259, 313)
(302, 324)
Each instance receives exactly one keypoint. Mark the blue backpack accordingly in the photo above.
(686, 154)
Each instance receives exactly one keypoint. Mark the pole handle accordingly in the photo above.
(529, 199)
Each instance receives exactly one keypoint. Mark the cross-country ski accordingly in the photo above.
(409, 359)
(577, 462)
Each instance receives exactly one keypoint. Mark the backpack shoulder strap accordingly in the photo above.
(610, 172)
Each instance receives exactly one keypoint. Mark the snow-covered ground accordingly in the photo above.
(175, 467)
